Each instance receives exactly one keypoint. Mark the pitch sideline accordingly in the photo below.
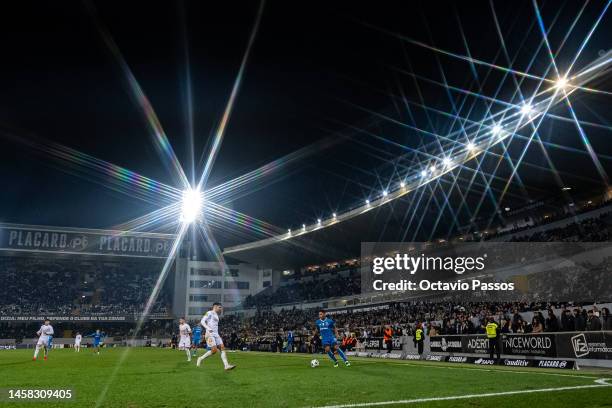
(601, 382)
(424, 363)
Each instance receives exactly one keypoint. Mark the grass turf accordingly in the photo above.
(149, 377)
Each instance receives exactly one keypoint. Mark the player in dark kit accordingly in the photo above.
(329, 333)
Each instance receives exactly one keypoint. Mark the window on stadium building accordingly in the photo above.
(266, 284)
(198, 310)
(209, 284)
(205, 272)
(236, 285)
(210, 297)
(233, 298)
(233, 273)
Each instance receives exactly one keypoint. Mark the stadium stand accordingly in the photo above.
(93, 288)
(74, 286)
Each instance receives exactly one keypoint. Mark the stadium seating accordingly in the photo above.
(71, 286)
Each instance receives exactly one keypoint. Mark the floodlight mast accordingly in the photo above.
(191, 206)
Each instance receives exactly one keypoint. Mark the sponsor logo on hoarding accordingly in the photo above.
(516, 363)
(457, 359)
(580, 345)
(478, 343)
(538, 344)
(432, 357)
(484, 361)
(412, 357)
(444, 344)
(555, 364)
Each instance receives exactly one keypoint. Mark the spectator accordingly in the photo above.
(593, 322)
(552, 324)
(536, 325)
(567, 321)
(606, 319)
(579, 320)
(506, 329)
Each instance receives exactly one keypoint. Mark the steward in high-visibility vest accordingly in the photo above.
(419, 336)
(388, 338)
(492, 330)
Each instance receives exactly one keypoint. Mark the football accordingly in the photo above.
(314, 363)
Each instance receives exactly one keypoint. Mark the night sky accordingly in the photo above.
(317, 73)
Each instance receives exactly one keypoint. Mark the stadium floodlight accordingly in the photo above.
(303, 227)
(561, 83)
(318, 221)
(432, 169)
(471, 146)
(385, 193)
(423, 173)
(402, 184)
(526, 109)
(334, 215)
(367, 201)
(289, 231)
(496, 130)
(447, 161)
(191, 206)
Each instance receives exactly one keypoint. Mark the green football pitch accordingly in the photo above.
(149, 377)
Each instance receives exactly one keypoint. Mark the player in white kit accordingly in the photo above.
(210, 322)
(45, 336)
(185, 337)
(77, 342)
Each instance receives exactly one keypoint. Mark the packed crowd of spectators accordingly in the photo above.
(267, 329)
(570, 282)
(542, 220)
(115, 331)
(594, 229)
(264, 327)
(73, 286)
(315, 289)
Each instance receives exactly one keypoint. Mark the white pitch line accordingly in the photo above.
(600, 383)
(411, 363)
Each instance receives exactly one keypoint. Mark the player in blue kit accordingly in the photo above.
(98, 336)
(196, 334)
(328, 331)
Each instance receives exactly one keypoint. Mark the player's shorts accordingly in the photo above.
(43, 341)
(329, 342)
(213, 340)
(77, 344)
(96, 343)
(185, 343)
(196, 341)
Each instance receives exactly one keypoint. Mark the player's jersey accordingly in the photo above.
(326, 328)
(45, 330)
(290, 336)
(197, 333)
(184, 330)
(210, 322)
(97, 337)
(78, 338)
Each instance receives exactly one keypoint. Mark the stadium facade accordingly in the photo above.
(90, 259)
